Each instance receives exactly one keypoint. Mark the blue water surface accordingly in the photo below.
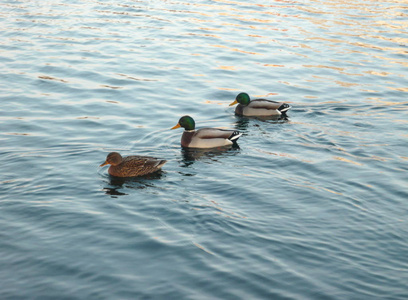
(309, 207)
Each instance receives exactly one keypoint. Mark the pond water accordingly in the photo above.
(309, 207)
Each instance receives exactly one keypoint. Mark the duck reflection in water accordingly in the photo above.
(242, 123)
(190, 155)
(115, 184)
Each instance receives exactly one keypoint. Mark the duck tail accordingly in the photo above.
(160, 163)
(235, 136)
(284, 108)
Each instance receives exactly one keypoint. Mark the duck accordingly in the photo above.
(205, 137)
(258, 107)
(132, 166)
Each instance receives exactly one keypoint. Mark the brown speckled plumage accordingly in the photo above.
(132, 166)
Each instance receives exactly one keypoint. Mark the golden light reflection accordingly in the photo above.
(227, 89)
(404, 89)
(324, 67)
(229, 68)
(378, 73)
(257, 20)
(387, 103)
(209, 29)
(273, 65)
(346, 84)
(236, 49)
(202, 248)
(331, 191)
(339, 69)
(347, 160)
(213, 102)
(370, 91)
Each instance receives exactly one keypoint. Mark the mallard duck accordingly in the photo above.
(258, 107)
(131, 166)
(204, 137)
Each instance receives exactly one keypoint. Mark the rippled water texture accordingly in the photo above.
(312, 207)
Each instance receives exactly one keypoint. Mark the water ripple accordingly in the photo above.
(310, 206)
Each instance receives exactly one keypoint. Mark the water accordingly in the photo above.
(313, 207)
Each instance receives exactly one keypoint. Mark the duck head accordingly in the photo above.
(113, 158)
(186, 122)
(242, 98)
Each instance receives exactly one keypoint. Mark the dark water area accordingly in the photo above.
(309, 207)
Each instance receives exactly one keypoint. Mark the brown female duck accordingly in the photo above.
(131, 166)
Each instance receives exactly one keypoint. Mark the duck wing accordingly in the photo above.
(136, 166)
(215, 133)
(138, 161)
(209, 138)
(269, 104)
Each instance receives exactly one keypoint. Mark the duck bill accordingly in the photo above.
(104, 164)
(177, 126)
(233, 103)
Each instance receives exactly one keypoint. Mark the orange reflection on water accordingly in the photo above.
(331, 191)
(346, 84)
(404, 89)
(236, 49)
(226, 89)
(202, 248)
(347, 160)
(324, 67)
(387, 103)
(273, 65)
(213, 102)
(378, 73)
(339, 69)
(229, 68)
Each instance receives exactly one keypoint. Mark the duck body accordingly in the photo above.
(209, 138)
(132, 166)
(262, 107)
(258, 107)
(205, 137)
